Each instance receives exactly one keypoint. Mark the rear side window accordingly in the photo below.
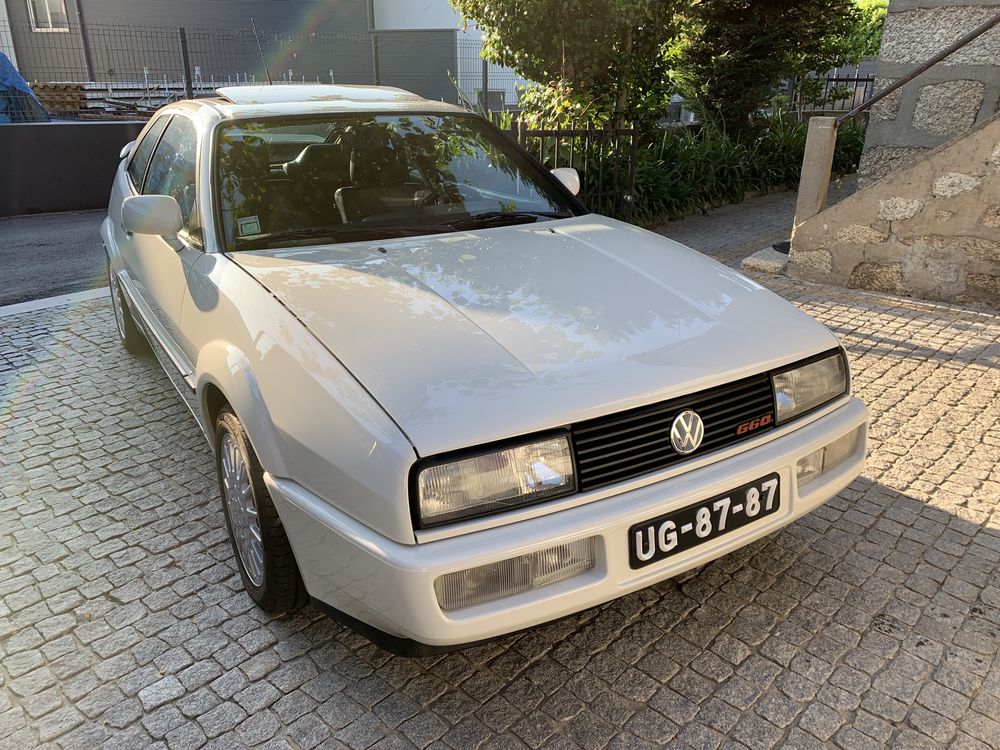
(144, 149)
(172, 169)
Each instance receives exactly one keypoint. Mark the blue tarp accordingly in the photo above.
(18, 102)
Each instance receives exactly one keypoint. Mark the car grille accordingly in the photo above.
(635, 442)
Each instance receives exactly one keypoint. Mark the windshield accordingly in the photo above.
(338, 178)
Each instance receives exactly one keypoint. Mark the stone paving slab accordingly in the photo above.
(732, 232)
(873, 622)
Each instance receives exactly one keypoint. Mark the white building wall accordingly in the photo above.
(414, 15)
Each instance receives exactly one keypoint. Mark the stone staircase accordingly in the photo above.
(930, 229)
(927, 220)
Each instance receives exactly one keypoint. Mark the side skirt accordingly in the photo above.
(182, 383)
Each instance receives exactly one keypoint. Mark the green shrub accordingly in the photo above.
(776, 145)
(695, 170)
(850, 144)
(686, 172)
(692, 169)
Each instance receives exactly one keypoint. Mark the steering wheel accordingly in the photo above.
(427, 200)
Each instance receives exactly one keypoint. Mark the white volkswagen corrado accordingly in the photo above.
(446, 402)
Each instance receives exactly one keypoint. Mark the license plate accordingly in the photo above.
(672, 533)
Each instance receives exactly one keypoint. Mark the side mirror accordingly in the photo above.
(126, 150)
(152, 214)
(568, 177)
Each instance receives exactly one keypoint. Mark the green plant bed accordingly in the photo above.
(678, 174)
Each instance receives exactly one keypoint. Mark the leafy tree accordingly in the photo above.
(595, 59)
(865, 39)
(735, 52)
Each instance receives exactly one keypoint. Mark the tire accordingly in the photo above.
(129, 334)
(267, 567)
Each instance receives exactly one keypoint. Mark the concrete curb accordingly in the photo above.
(43, 304)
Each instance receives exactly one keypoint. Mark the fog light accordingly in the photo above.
(840, 450)
(809, 467)
(826, 458)
(516, 575)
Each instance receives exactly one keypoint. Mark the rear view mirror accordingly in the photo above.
(126, 150)
(152, 214)
(568, 177)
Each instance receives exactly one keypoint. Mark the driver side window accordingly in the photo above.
(172, 170)
(143, 150)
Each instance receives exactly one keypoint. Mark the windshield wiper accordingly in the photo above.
(341, 233)
(503, 218)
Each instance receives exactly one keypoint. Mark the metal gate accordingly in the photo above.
(604, 157)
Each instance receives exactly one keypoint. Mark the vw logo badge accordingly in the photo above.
(687, 432)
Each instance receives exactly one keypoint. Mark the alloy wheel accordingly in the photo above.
(242, 508)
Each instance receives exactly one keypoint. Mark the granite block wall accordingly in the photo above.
(947, 100)
(930, 229)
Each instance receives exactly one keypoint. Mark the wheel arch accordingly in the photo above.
(213, 401)
(224, 378)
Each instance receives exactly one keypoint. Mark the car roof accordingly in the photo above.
(312, 93)
(299, 99)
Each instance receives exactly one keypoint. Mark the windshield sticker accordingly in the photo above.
(248, 225)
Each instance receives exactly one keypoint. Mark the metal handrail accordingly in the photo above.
(821, 137)
(951, 48)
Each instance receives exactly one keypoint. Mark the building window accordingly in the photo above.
(48, 15)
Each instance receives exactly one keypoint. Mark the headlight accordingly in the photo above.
(495, 481)
(802, 389)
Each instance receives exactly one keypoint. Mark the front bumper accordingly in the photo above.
(390, 586)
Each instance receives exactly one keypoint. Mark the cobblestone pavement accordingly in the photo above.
(872, 622)
(731, 233)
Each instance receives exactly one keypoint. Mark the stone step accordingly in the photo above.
(767, 260)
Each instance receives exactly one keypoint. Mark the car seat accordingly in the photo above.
(379, 174)
(317, 173)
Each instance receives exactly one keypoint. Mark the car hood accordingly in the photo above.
(471, 337)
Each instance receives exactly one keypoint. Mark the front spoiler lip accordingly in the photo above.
(394, 644)
(389, 586)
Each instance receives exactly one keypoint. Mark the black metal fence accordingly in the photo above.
(836, 93)
(476, 76)
(105, 71)
(108, 70)
(605, 159)
(106, 53)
